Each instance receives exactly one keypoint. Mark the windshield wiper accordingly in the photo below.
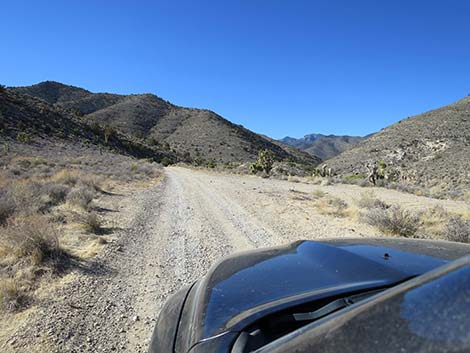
(333, 306)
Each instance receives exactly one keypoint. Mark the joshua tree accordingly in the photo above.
(373, 173)
(266, 160)
(108, 132)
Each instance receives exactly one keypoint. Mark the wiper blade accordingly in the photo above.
(333, 306)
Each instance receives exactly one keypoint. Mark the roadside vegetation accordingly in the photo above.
(49, 219)
(394, 220)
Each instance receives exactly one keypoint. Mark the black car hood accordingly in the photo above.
(242, 288)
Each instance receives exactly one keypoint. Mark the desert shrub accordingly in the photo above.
(325, 182)
(228, 166)
(394, 221)
(57, 192)
(432, 222)
(293, 179)
(109, 132)
(95, 127)
(91, 222)
(147, 169)
(353, 178)
(28, 197)
(30, 238)
(66, 176)
(12, 296)
(318, 194)
(7, 205)
(23, 137)
(152, 141)
(368, 200)
(466, 196)
(457, 229)
(81, 196)
(166, 161)
(332, 206)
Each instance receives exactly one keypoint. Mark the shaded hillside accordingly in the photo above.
(197, 134)
(323, 146)
(28, 120)
(430, 149)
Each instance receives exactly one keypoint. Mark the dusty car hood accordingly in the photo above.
(242, 288)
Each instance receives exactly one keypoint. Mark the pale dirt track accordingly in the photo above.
(171, 234)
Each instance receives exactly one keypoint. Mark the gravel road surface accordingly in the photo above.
(170, 235)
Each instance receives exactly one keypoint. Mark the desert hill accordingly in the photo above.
(430, 149)
(196, 134)
(31, 121)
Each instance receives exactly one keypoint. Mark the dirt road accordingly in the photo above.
(170, 235)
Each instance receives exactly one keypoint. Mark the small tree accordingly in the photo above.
(108, 132)
(95, 127)
(382, 166)
(2, 89)
(266, 160)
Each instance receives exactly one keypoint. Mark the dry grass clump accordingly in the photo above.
(29, 249)
(368, 200)
(81, 195)
(466, 196)
(332, 206)
(433, 221)
(393, 221)
(91, 222)
(13, 296)
(318, 194)
(7, 206)
(56, 192)
(66, 176)
(457, 229)
(30, 239)
(74, 177)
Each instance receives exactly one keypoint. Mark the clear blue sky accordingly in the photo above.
(281, 68)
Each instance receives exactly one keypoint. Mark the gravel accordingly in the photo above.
(171, 234)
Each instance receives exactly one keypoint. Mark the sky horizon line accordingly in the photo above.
(208, 108)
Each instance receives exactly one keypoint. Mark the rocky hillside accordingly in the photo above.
(196, 134)
(323, 146)
(27, 120)
(431, 149)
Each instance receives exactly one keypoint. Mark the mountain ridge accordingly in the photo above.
(431, 149)
(323, 146)
(197, 134)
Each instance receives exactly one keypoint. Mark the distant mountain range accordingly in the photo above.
(431, 149)
(323, 146)
(191, 134)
